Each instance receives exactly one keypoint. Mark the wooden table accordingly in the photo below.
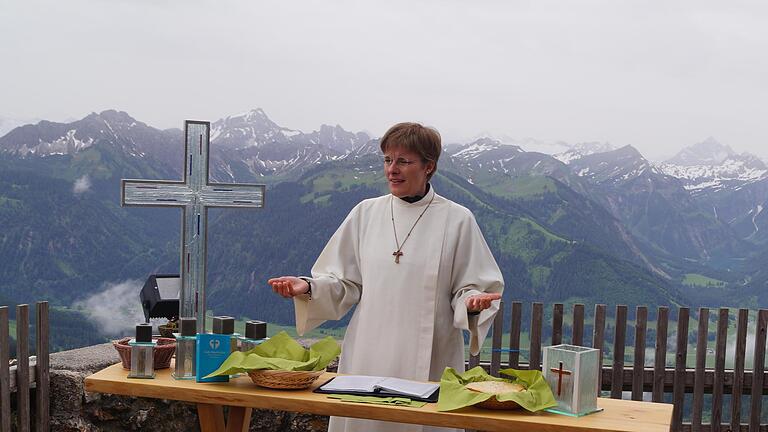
(241, 395)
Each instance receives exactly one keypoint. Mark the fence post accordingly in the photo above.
(498, 331)
(515, 324)
(717, 389)
(617, 378)
(22, 366)
(534, 355)
(738, 368)
(598, 338)
(641, 320)
(557, 324)
(577, 330)
(660, 361)
(758, 369)
(701, 362)
(42, 372)
(5, 379)
(681, 356)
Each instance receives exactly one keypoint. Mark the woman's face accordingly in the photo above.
(406, 173)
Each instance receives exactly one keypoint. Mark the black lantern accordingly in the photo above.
(160, 296)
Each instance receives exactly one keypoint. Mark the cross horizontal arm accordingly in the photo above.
(155, 193)
(233, 195)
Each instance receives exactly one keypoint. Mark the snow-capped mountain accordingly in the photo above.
(734, 187)
(526, 144)
(560, 150)
(255, 129)
(243, 147)
(708, 152)
(484, 146)
(257, 144)
(249, 129)
(712, 166)
(113, 128)
(653, 204)
(487, 156)
(617, 166)
(579, 150)
(735, 171)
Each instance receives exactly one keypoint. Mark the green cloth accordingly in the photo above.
(399, 401)
(453, 395)
(281, 352)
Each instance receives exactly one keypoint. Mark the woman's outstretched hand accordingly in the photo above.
(480, 302)
(289, 286)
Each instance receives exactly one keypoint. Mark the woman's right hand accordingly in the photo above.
(289, 286)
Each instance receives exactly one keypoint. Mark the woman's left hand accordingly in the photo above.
(480, 302)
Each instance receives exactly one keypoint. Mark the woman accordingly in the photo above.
(418, 269)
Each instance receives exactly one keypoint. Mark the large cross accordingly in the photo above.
(194, 195)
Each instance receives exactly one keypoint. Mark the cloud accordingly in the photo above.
(83, 184)
(730, 349)
(657, 75)
(115, 309)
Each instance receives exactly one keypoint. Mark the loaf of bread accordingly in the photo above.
(494, 387)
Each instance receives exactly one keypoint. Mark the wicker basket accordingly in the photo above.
(162, 353)
(494, 404)
(277, 379)
(167, 331)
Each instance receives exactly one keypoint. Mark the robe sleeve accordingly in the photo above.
(474, 272)
(336, 279)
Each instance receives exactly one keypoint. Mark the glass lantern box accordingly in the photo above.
(142, 352)
(572, 373)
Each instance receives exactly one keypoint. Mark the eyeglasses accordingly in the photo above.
(399, 162)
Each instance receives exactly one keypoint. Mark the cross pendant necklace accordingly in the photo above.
(399, 252)
(397, 255)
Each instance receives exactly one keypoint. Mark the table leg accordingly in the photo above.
(239, 419)
(211, 417)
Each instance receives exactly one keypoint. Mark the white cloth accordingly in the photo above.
(409, 317)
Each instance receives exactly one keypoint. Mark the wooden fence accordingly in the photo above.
(27, 373)
(639, 378)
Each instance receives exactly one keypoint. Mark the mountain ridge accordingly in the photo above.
(609, 213)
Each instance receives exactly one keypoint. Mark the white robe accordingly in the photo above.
(409, 317)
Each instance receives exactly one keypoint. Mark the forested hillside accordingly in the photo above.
(608, 228)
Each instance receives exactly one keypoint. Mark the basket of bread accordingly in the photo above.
(281, 362)
(495, 388)
(516, 389)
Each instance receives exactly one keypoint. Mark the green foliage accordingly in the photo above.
(699, 280)
(68, 329)
(521, 187)
(71, 329)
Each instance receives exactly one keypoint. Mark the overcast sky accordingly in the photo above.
(658, 75)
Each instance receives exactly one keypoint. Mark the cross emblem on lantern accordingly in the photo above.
(560, 372)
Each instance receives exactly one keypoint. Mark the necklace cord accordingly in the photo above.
(394, 230)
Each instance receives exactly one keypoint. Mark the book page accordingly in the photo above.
(408, 387)
(359, 383)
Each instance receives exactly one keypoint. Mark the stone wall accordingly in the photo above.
(73, 409)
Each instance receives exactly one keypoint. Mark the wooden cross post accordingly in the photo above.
(195, 194)
(560, 372)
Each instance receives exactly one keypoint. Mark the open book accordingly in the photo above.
(379, 386)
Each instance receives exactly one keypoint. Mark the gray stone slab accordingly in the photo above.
(89, 359)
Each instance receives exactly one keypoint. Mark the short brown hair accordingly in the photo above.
(414, 137)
